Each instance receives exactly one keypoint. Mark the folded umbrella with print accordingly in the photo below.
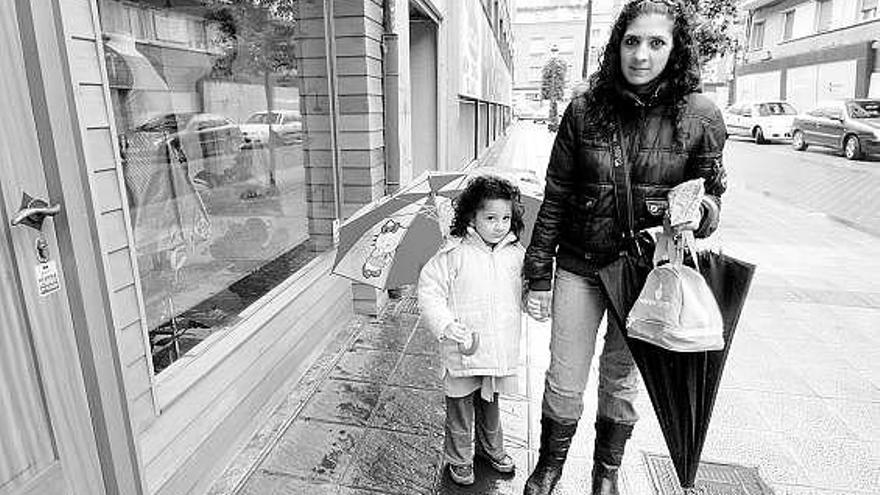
(682, 386)
(386, 243)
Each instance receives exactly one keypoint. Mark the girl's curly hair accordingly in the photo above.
(480, 189)
(680, 77)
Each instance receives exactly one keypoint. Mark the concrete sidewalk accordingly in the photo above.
(799, 401)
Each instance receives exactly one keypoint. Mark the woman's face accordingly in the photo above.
(645, 48)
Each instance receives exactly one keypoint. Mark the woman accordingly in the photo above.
(642, 105)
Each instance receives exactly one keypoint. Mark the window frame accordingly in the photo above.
(788, 20)
(818, 27)
(756, 43)
(873, 9)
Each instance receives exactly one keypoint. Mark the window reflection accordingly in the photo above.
(206, 101)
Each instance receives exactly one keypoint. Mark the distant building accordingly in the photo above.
(805, 51)
(540, 25)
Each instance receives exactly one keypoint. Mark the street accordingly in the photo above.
(802, 381)
(817, 180)
(798, 401)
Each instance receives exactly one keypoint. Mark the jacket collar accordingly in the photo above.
(474, 239)
(647, 97)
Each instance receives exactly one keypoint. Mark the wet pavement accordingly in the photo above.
(799, 402)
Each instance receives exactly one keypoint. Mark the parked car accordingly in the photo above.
(762, 121)
(279, 126)
(849, 125)
(208, 144)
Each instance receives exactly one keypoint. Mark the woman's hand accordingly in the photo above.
(682, 227)
(538, 304)
(687, 226)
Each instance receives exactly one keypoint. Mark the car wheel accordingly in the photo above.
(758, 134)
(852, 148)
(798, 142)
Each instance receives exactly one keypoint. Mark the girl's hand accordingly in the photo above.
(467, 340)
(457, 332)
(538, 304)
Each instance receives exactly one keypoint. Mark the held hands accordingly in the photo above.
(538, 304)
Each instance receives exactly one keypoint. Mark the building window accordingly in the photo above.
(824, 12)
(215, 130)
(868, 9)
(788, 24)
(467, 131)
(757, 38)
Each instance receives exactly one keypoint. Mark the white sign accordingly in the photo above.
(47, 278)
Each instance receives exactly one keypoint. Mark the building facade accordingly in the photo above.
(173, 175)
(805, 51)
(544, 25)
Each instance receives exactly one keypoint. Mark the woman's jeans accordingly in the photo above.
(578, 306)
(469, 420)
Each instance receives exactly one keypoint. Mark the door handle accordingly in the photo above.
(33, 211)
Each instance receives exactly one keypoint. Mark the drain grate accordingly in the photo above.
(407, 305)
(712, 479)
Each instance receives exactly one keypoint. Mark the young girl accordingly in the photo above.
(470, 297)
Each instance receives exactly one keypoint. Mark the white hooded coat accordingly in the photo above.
(481, 288)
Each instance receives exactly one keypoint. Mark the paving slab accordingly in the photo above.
(799, 399)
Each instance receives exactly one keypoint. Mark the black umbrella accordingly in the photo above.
(682, 385)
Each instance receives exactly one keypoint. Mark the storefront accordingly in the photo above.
(172, 175)
(189, 146)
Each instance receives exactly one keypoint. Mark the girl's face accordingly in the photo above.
(492, 220)
(645, 48)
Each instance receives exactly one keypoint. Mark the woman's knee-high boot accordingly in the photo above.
(555, 441)
(611, 439)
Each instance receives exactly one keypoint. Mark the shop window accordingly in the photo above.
(467, 131)
(212, 123)
(483, 126)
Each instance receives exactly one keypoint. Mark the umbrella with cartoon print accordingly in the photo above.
(386, 243)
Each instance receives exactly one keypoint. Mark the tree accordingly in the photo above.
(553, 84)
(713, 21)
(256, 40)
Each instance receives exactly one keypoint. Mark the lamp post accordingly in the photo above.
(585, 70)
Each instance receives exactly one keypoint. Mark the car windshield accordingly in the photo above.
(264, 118)
(170, 122)
(765, 109)
(864, 109)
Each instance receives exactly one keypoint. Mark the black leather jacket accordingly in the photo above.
(577, 223)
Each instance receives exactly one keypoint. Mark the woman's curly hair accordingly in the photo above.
(680, 77)
(479, 190)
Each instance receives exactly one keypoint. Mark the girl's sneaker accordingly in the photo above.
(462, 475)
(504, 465)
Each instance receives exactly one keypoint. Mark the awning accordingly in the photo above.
(129, 69)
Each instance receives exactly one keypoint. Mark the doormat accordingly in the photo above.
(712, 478)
